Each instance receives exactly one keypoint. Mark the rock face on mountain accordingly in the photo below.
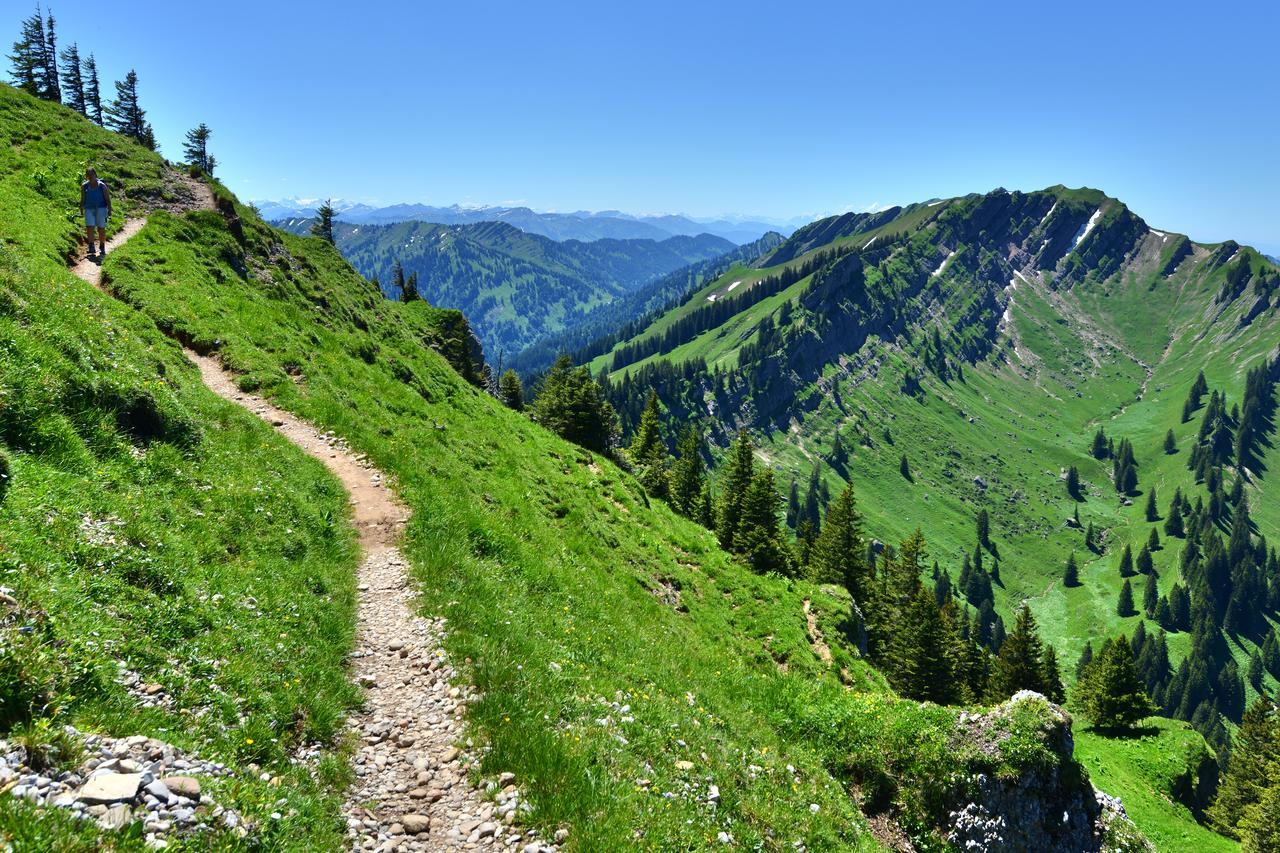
(1050, 806)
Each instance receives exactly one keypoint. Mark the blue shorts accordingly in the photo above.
(95, 217)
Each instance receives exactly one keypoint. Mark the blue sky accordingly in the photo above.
(773, 109)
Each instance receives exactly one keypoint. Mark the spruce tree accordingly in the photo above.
(920, 661)
(904, 468)
(1099, 449)
(92, 91)
(688, 474)
(1151, 596)
(1254, 765)
(1020, 664)
(1071, 575)
(1054, 691)
(1271, 655)
(53, 91)
(1111, 692)
(28, 60)
(571, 404)
(1153, 541)
(1152, 512)
(838, 554)
(73, 80)
(323, 226)
(706, 507)
(1255, 671)
(984, 529)
(1073, 483)
(1144, 563)
(1126, 562)
(739, 472)
(793, 504)
(411, 293)
(1124, 607)
(196, 148)
(758, 533)
(126, 116)
(1173, 525)
(397, 279)
(511, 391)
(1259, 828)
(648, 452)
(1170, 443)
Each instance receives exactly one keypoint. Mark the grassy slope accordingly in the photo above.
(1143, 772)
(136, 498)
(560, 582)
(1026, 427)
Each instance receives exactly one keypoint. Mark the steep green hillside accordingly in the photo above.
(986, 339)
(514, 286)
(157, 546)
(646, 689)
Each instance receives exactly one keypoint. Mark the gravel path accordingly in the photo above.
(412, 790)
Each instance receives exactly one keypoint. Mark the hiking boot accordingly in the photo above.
(92, 250)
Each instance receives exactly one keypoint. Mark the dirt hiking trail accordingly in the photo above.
(412, 791)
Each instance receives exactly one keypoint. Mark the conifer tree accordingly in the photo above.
(921, 665)
(984, 529)
(73, 80)
(1124, 607)
(1152, 512)
(1073, 483)
(1254, 765)
(1126, 562)
(648, 452)
(838, 554)
(126, 116)
(1020, 664)
(53, 91)
(511, 390)
(1144, 563)
(323, 228)
(196, 148)
(1260, 826)
(758, 533)
(1112, 694)
(793, 504)
(397, 279)
(688, 474)
(1255, 671)
(572, 405)
(92, 91)
(739, 473)
(28, 59)
(1071, 575)
(706, 507)
(1271, 655)
(1153, 541)
(1170, 443)
(1173, 525)
(904, 468)
(1099, 449)
(1091, 538)
(411, 293)
(1151, 596)
(1054, 691)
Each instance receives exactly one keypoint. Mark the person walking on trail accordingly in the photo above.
(95, 204)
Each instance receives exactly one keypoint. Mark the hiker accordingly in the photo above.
(95, 204)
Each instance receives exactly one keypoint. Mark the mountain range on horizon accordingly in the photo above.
(577, 225)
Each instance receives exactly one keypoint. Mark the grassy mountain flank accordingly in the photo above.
(149, 533)
(986, 339)
(515, 287)
(648, 691)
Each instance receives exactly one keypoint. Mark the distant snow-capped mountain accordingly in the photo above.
(579, 225)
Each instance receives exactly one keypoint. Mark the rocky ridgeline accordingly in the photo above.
(126, 780)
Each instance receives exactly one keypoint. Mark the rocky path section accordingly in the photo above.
(413, 791)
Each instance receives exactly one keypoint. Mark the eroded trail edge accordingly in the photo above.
(412, 790)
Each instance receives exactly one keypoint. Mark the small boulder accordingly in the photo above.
(183, 786)
(110, 788)
(415, 824)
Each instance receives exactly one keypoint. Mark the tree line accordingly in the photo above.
(62, 75)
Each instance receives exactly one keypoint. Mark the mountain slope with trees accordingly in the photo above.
(514, 286)
(633, 673)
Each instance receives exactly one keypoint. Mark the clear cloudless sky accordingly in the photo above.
(776, 109)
